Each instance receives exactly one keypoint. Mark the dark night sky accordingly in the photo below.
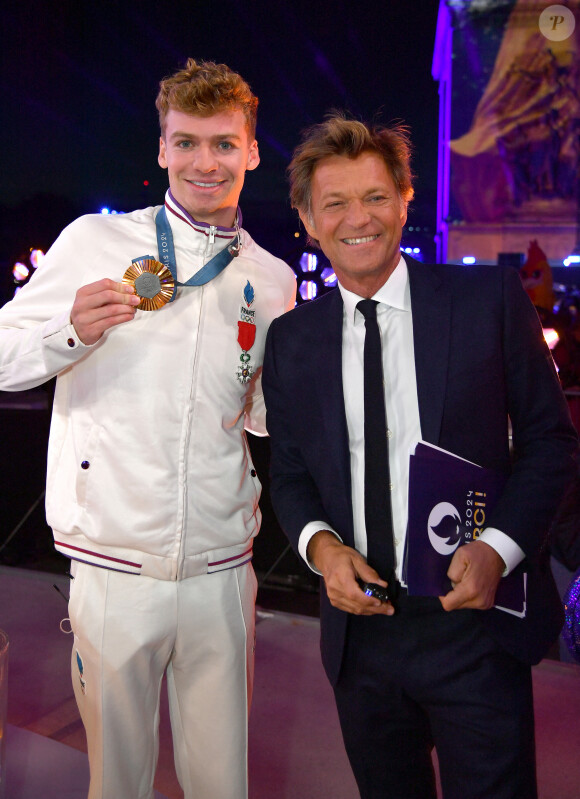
(79, 82)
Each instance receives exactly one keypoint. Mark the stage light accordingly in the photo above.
(20, 271)
(551, 337)
(313, 271)
(416, 250)
(328, 276)
(105, 211)
(468, 260)
(308, 290)
(308, 262)
(571, 259)
(36, 258)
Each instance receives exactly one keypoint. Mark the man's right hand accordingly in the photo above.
(101, 305)
(340, 566)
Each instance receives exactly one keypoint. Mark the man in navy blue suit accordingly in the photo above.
(462, 355)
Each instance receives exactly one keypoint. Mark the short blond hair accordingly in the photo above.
(205, 88)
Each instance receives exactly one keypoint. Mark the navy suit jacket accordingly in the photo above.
(480, 358)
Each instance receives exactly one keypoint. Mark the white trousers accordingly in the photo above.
(128, 631)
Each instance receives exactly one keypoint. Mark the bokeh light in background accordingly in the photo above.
(551, 337)
(22, 273)
(308, 262)
(308, 290)
(315, 275)
(36, 258)
(328, 277)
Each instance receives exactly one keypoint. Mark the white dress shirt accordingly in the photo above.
(395, 322)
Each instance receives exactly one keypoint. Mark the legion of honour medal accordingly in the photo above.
(152, 281)
(246, 334)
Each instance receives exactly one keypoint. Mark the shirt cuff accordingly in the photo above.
(59, 334)
(510, 552)
(308, 532)
(72, 339)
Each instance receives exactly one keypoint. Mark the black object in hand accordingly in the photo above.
(376, 590)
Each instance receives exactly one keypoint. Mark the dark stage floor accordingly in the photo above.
(296, 750)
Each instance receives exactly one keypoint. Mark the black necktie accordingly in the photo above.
(378, 518)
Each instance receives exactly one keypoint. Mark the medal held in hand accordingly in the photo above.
(152, 282)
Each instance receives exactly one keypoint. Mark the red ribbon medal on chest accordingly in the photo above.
(246, 334)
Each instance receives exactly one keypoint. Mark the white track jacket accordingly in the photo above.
(149, 470)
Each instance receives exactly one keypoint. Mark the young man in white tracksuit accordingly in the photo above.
(151, 490)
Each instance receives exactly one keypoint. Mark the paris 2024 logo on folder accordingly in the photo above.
(450, 500)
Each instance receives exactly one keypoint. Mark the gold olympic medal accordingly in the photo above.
(152, 282)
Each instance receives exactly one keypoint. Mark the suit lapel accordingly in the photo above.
(431, 306)
(329, 387)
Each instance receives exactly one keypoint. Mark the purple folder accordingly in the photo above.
(450, 500)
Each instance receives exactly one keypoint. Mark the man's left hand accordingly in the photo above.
(475, 572)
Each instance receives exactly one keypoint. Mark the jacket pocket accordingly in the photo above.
(86, 462)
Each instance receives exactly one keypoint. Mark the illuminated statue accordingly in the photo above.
(519, 160)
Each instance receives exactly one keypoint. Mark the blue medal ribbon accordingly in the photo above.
(167, 256)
